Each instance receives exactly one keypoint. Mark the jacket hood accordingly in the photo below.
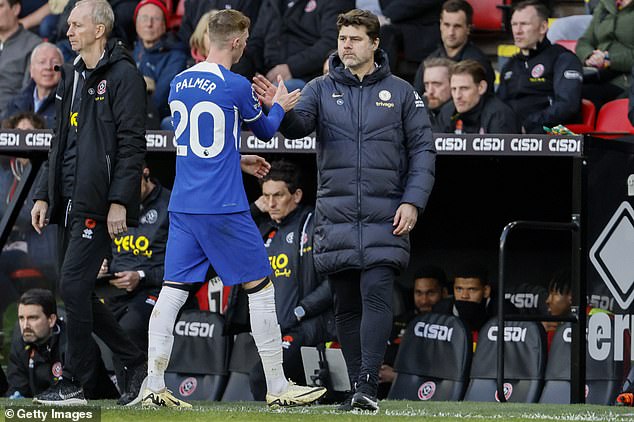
(341, 74)
(115, 51)
(541, 46)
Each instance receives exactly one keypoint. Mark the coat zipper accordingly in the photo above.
(359, 214)
(69, 207)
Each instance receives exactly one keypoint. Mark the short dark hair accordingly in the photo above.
(542, 11)
(284, 171)
(14, 2)
(358, 17)
(12, 122)
(454, 6)
(472, 270)
(561, 283)
(431, 271)
(470, 67)
(42, 297)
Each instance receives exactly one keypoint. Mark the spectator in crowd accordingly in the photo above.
(292, 39)
(36, 16)
(437, 91)
(369, 192)
(93, 188)
(158, 55)
(473, 109)
(472, 301)
(38, 347)
(137, 262)
(409, 30)
(195, 10)
(17, 44)
(430, 287)
(39, 95)
(199, 40)
(303, 300)
(542, 83)
(455, 27)
(608, 47)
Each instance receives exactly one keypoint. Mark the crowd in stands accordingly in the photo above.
(428, 43)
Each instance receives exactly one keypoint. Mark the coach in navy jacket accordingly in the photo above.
(375, 163)
(373, 153)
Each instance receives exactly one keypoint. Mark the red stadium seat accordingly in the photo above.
(588, 118)
(174, 21)
(569, 44)
(490, 15)
(612, 121)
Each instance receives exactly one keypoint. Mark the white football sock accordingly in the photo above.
(160, 334)
(268, 338)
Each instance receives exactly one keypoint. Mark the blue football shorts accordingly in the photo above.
(231, 243)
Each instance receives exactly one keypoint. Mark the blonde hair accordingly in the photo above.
(197, 40)
(225, 24)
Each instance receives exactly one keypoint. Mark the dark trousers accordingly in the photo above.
(363, 316)
(85, 243)
(133, 314)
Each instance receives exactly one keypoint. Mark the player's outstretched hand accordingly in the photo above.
(286, 99)
(264, 89)
(254, 165)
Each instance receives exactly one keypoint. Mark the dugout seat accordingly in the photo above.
(524, 363)
(433, 360)
(568, 44)
(602, 376)
(243, 356)
(198, 364)
(490, 15)
(588, 118)
(613, 121)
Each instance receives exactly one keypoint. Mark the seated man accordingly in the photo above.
(455, 28)
(437, 88)
(471, 301)
(39, 95)
(35, 360)
(430, 287)
(292, 39)
(158, 55)
(137, 262)
(473, 109)
(303, 299)
(542, 83)
(17, 44)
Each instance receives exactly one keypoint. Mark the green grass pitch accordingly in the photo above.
(390, 411)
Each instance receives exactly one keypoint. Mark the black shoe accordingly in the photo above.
(364, 401)
(346, 404)
(135, 380)
(64, 393)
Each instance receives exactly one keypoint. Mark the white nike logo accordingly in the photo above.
(336, 95)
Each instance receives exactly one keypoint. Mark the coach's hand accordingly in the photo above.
(38, 215)
(405, 219)
(286, 99)
(128, 280)
(116, 220)
(254, 165)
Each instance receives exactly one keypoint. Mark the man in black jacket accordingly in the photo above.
(303, 299)
(92, 189)
(292, 39)
(455, 27)
(542, 83)
(473, 109)
(38, 348)
(437, 88)
(137, 263)
(375, 158)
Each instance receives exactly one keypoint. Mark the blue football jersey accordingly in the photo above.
(208, 104)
